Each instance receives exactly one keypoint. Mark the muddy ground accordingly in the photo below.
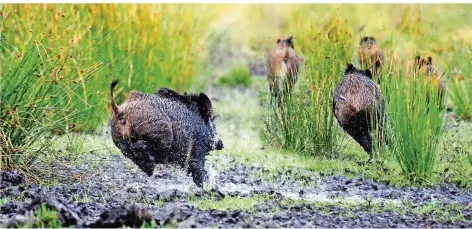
(101, 189)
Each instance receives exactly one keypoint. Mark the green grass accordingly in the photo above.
(456, 157)
(416, 121)
(57, 62)
(3, 201)
(34, 103)
(238, 76)
(228, 203)
(152, 224)
(44, 218)
(142, 45)
(441, 212)
(459, 86)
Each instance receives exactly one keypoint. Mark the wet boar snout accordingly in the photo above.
(219, 145)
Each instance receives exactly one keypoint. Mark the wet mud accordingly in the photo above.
(310, 200)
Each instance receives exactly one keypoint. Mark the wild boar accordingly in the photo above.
(429, 71)
(357, 102)
(165, 128)
(283, 66)
(371, 56)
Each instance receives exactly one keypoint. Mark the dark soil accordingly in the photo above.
(118, 197)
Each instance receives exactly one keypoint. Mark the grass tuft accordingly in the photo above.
(229, 203)
(416, 123)
(35, 102)
(239, 75)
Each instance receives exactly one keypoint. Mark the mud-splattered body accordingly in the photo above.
(371, 56)
(283, 65)
(165, 128)
(356, 102)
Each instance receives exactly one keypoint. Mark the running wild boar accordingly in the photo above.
(356, 103)
(371, 56)
(283, 66)
(165, 128)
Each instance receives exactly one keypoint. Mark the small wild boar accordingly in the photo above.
(371, 56)
(165, 128)
(429, 71)
(356, 103)
(283, 66)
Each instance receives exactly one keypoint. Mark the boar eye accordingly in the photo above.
(122, 120)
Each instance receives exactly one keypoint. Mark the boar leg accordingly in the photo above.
(140, 154)
(197, 166)
(358, 128)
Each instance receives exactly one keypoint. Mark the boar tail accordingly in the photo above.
(286, 55)
(113, 103)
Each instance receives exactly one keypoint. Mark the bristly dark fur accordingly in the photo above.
(165, 128)
(197, 102)
(349, 69)
(368, 73)
(171, 94)
(357, 102)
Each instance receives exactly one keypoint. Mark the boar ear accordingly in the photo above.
(430, 61)
(417, 59)
(204, 105)
(368, 73)
(418, 62)
(278, 41)
(349, 68)
(290, 41)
